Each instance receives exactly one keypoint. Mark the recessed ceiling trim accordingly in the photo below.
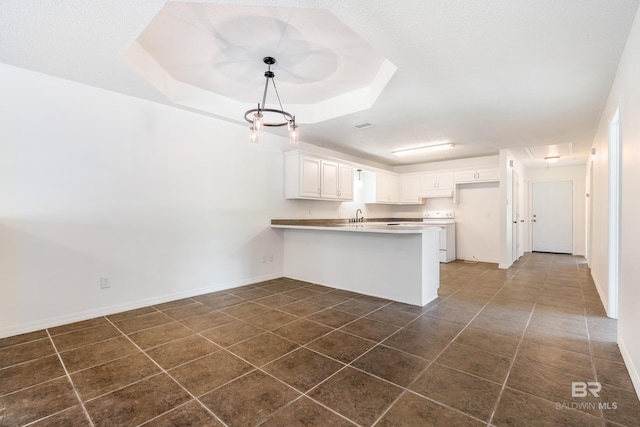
(541, 152)
(322, 76)
(423, 149)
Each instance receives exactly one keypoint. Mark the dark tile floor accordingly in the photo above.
(498, 347)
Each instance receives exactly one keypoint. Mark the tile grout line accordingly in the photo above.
(593, 365)
(407, 389)
(513, 361)
(306, 394)
(515, 356)
(169, 375)
(260, 368)
(256, 367)
(73, 385)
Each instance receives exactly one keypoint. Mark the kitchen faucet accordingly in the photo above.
(361, 219)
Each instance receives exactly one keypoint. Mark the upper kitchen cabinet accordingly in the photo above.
(410, 189)
(439, 184)
(310, 177)
(382, 187)
(477, 175)
(337, 180)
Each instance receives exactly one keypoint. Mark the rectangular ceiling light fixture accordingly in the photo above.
(423, 149)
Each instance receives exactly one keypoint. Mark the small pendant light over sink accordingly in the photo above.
(256, 116)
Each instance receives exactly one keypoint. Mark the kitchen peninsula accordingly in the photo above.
(393, 260)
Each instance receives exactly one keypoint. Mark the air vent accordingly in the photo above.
(363, 125)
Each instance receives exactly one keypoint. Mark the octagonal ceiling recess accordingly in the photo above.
(209, 57)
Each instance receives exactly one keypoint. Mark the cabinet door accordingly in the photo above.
(462, 177)
(329, 175)
(428, 181)
(487, 175)
(387, 188)
(393, 188)
(345, 183)
(382, 187)
(309, 177)
(445, 181)
(410, 188)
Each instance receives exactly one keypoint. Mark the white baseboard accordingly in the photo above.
(601, 294)
(11, 330)
(628, 361)
(476, 259)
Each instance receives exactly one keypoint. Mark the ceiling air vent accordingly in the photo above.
(363, 125)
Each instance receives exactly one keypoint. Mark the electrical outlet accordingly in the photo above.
(271, 258)
(105, 282)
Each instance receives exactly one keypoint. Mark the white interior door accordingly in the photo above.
(552, 217)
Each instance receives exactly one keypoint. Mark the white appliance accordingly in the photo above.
(446, 221)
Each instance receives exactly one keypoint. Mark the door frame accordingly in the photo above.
(573, 211)
(614, 169)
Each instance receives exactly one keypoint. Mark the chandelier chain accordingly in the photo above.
(278, 96)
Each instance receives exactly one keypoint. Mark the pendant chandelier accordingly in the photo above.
(256, 116)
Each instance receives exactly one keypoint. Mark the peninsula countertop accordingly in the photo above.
(391, 258)
(372, 225)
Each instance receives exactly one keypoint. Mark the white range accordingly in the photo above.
(445, 220)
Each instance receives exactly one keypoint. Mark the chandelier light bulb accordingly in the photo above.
(257, 121)
(255, 136)
(293, 134)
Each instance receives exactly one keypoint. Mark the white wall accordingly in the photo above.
(477, 209)
(625, 93)
(576, 174)
(166, 202)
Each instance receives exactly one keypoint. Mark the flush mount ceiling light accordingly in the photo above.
(423, 149)
(256, 116)
(552, 159)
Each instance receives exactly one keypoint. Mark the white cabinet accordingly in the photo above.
(330, 176)
(381, 187)
(410, 189)
(310, 177)
(436, 181)
(345, 182)
(477, 175)
(388, 188)
(439, 184)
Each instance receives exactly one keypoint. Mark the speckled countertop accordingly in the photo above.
(370, 225)
(333, 222)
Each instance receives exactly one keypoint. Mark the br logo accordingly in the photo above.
(582, 389)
